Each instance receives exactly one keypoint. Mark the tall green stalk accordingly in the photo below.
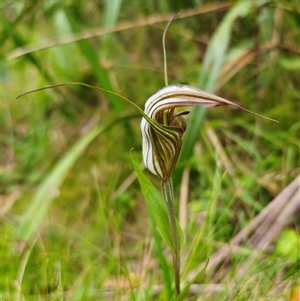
(168, 192)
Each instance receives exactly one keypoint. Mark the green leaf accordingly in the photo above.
(292, 64)
(155, 203)
(288, 245)
(157, 207)
(48, 190)
(157, 210)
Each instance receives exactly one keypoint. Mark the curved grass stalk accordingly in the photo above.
(164, 49)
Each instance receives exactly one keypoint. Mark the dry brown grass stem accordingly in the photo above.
(122, 26)
(264, 228)
(238, 62)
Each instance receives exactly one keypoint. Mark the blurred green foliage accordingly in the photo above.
(97, 230)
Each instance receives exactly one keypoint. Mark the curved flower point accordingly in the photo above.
(163, 130)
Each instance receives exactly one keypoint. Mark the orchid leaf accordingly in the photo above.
(156, 206)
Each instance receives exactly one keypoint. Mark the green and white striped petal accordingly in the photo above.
(162, 137)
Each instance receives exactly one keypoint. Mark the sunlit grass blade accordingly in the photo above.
(48, 190)
(212, 63)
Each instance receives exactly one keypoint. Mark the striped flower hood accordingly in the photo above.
(162, 137)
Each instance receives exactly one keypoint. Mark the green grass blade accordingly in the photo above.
(245, 144)
(195, 279)
(155, 203)
(212, 63)
(216, 51)
(157, 207)
(7, 33)
(99, 72)
(111, 12)
(48, 190)
(157, 210)
(19, 41)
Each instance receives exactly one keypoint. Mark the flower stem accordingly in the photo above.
(168, 191)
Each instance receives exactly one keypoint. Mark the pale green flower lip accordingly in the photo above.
(162, 138)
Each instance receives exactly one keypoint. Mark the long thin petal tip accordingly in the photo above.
(260, 116)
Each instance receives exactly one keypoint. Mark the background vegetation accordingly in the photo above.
(74, 225)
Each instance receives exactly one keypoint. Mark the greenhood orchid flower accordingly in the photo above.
(162, 137)
(162, 128)
(162, 131)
